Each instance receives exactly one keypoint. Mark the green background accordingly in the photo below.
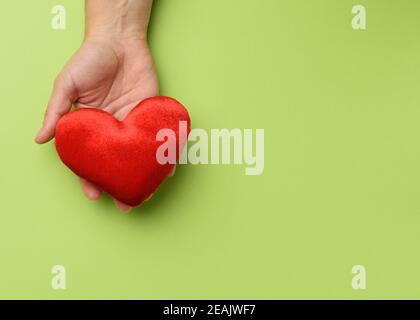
(340, 109)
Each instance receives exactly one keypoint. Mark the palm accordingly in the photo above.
(113, 78)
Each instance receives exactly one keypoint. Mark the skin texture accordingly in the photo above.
(113, 69)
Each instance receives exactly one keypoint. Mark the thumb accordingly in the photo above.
(60, 103)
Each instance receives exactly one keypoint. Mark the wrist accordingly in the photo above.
(117, 19)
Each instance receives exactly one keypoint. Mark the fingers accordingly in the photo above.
(60, 102)
(122, 206)
(126, 208)
(91, 191)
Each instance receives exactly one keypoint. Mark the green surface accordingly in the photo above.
(340, 109)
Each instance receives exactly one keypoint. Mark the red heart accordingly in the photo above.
(120, 156)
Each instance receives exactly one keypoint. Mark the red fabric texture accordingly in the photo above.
(120, 156)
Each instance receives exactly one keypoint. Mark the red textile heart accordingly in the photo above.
(120, 156)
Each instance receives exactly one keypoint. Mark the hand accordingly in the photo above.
(113, 72)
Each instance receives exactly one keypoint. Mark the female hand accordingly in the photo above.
(113, 70)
